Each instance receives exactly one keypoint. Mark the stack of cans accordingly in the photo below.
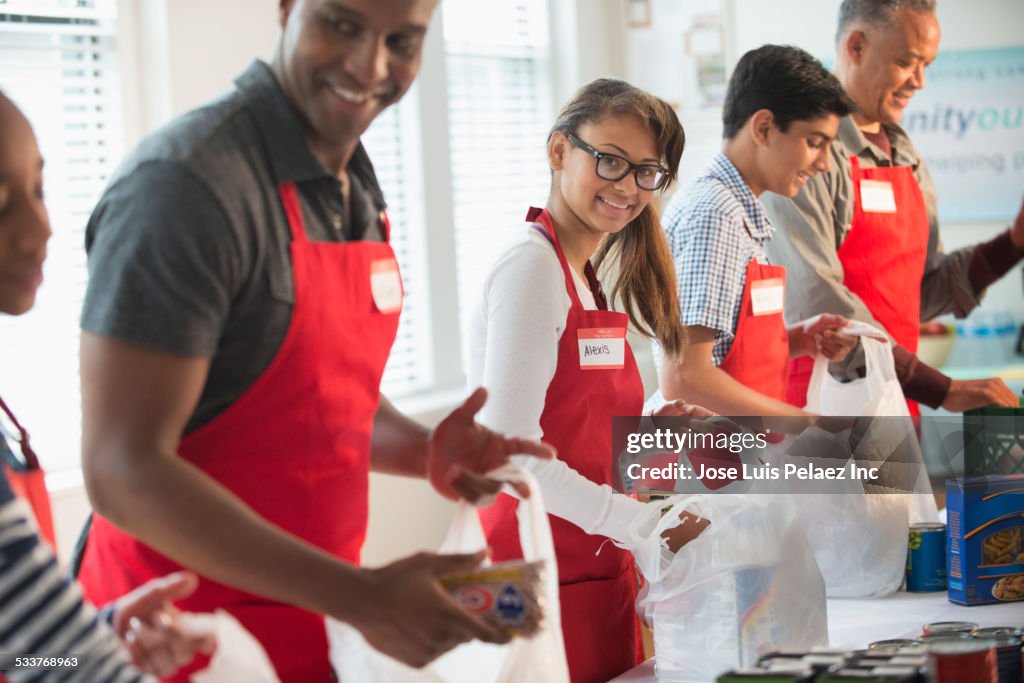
(946, 652)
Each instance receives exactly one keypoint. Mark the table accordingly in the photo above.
(855, 623)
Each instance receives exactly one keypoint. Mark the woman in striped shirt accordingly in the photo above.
(43, 615)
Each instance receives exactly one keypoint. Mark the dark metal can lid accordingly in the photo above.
(949, 627)
(945, 635)
(927, 526)
(891, 643)
(999, 632)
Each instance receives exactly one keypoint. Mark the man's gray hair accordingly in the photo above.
(879, 12)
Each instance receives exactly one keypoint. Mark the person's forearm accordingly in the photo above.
(399, 444)
(715, 389)
(181, 512)
(993, 259)
(920, 381)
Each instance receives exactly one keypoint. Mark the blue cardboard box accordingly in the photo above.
(985, 541)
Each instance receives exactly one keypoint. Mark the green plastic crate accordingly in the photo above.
(994, 441)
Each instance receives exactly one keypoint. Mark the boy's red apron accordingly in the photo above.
(294, 447)
(759, 354)
(28, 481)
(597, 591)
(883, 259)
(758, 359)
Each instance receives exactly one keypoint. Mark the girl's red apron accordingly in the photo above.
(597, 591)
(883, 259)
(295, 446)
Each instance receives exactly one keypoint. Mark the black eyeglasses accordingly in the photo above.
(614, 167)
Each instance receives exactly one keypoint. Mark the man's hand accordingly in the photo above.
(462, 451)
(821, 334)
(406, 613)
(147, 622)
(1017, 230)
(979, 393)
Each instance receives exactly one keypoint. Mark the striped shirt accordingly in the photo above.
(715, 227)
(43, 613)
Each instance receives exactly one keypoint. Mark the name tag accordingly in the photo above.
(602, 348)
(386, 285)
(876, 196)
(767, 296)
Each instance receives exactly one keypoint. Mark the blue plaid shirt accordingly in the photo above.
(704, 224)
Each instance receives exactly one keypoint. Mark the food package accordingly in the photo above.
(985, 543)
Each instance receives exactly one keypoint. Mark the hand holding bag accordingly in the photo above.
(538, 659)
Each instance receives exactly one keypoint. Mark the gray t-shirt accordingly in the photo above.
(189, 245)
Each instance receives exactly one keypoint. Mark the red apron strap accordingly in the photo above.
(541, 220)
(385, 226)
(26, 448)
(28, 482)
(292, 210)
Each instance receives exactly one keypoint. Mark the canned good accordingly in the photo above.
(950, 627)
(999, 632)
(962, 660)
(848, 675)
(891, 643)
(506, 595)
(1008, 657)
(926, 558)
(745, 675)
(930, 638)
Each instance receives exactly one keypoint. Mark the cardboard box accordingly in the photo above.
(985, 541)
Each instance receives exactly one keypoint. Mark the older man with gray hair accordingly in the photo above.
(862, 240)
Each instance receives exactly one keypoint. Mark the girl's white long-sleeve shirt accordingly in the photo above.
(513, 352)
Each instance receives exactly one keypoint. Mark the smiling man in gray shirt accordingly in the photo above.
(883, 48)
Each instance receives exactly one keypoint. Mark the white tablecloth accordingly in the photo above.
(855, 623)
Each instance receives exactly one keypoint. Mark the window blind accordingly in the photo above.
(391, 142)
(58, 62)
(499, 92)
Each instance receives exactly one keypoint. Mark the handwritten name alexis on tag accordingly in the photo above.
(602, 348)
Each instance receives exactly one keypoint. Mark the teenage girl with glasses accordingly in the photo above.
(556, 362)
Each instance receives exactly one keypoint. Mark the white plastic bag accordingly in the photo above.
(746, 586)
(238, 657)
(877, 393)
(860, 540)
(540, 658)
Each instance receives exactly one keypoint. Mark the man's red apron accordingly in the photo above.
(295, 446)
(883, 259)
(597, 590)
